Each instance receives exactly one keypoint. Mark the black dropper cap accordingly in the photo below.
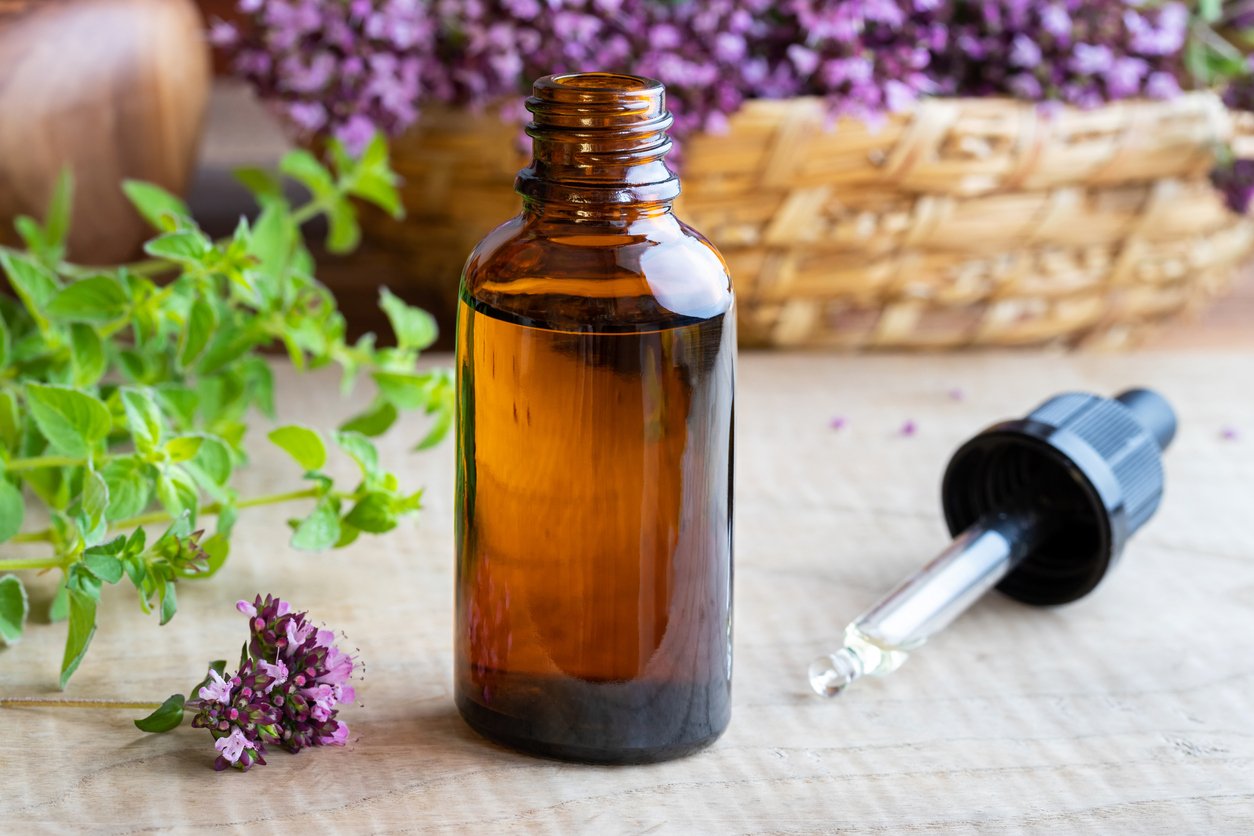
(1090, 468)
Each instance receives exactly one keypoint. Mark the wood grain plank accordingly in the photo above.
(1128, 711)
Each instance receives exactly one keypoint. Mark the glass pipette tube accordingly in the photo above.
(880, 640)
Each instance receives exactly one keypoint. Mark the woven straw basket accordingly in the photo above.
(966, 222)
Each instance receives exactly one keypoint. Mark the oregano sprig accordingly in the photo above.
(126, 391)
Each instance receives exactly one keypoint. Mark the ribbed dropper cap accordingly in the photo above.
(1091, 467)
(1040, 507)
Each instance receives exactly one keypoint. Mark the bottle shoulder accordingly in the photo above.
(654, 271)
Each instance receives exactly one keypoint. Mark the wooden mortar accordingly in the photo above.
(114, 89)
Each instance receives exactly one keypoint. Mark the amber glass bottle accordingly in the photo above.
(595, 371)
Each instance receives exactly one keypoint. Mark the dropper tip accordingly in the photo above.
(833, 673)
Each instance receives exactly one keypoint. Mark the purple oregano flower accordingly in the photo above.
(289, 688)
(348, 67)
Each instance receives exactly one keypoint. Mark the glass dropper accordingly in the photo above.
(879, 641)
(1044, 506)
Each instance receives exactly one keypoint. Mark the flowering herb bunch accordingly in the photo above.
(291, 683)
(346, 67)
(1074, 51)
(126, 394)
(1222, 54)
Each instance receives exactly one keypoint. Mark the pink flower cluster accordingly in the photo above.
(1082, 52)
(347, 67)
(340, 67)
(868, 58)
(287, 691)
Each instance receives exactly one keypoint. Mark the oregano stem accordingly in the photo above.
(41, 536)
(216, 507)
(146, 267)
(40, 702)
(39, 462)
(307, 212)
(271, 499)
(151, 267)
(15, 563)
(54, 562)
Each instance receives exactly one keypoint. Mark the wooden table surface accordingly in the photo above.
(1129, 711)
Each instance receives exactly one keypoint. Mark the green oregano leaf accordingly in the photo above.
(93, 299)
(143, 417)
(407, 390)
(10, 421)
(106, 567)
(228, 515)
(183, 448)
(379, 189)
(362, 451)
(78, 638)
(304, 167)
(348, 534)
(57, 216)
(95, 499)
(263, 185)
(414, 327)
(202, 320)
(32, 282)
(34, 237)
(441, 403)
(343, 231)
(169, 602)
(12, 509)
(83, 581)
(14, 607)
(302, 444)
(273, 239)
(6, 343)
(320, 530)
(177, 492)
(218, 548)
(166, 718)
(213, 459)
(185, 246)
(90, 362)
(178, 403)
(438, 429)
(59, 606)
(259, 382)
(373, 513)
(374, 422)
(154, 203)
(130, 488)
(72, 421)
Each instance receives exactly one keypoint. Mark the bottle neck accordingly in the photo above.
(599, 147)
(622, 216)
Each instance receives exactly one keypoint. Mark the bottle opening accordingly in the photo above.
(598, 138)
(597, 82)
(614, 101)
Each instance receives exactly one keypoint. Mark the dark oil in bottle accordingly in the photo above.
(594, 535)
